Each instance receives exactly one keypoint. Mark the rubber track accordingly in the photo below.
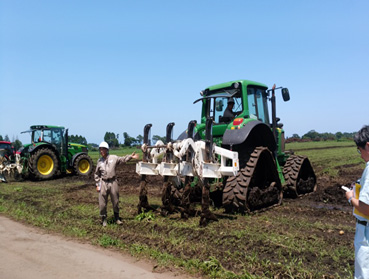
(236, 191)
(298, 171)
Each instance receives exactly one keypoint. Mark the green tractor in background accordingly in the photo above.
(50, 153)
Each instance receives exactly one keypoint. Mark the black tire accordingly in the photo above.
(43, 164)
(83, 165)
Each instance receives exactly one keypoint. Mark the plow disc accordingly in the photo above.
(299, 176)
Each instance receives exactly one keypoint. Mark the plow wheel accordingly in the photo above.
(43, 164)
(257, 186)
(299, 176)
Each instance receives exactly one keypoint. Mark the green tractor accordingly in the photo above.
(267, 171)
(50, 153)
(263, 172)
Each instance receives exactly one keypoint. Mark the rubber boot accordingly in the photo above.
(104, 221)
(117, 219)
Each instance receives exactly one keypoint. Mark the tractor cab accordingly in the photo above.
(247, 120)
(51, 135)
(46, 134)
(250, 103)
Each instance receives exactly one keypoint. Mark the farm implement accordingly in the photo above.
(9, 161)
(237, 162)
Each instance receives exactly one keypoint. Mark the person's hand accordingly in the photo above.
(135, 156)
(97, 188)
(349, 194)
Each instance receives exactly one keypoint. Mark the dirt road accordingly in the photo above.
(27, 252)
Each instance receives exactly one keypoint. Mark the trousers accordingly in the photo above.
(361, 244)
(108, 188)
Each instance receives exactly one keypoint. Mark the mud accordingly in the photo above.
(329, 195)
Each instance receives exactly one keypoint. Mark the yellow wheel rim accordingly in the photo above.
(84, 166)
(45, 165)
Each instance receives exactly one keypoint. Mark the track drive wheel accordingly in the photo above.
(83, 165)
(43, 164)
(256, 187)
(299, 176)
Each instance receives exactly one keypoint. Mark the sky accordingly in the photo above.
(114, 66)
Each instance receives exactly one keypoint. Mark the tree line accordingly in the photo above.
(315, 136)
(113, 139)
(18, 144)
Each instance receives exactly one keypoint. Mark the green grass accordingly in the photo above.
(327, 157)
(274, 244)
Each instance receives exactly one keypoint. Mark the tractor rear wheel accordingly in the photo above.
(83, 165)
(43, 164)
(256, 187)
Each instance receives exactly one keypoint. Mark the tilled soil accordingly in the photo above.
(327, 205)
(329, 194)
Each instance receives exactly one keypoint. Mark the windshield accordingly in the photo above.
(217, 106)
(257, 100)
(53, 136)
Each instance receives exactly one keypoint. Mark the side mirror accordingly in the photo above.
(285, 94)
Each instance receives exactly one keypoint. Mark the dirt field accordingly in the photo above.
(329, 195)
(293, 231)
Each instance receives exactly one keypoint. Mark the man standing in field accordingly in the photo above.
(106, 181)
(359, 199)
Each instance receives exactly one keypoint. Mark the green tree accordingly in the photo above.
(111, 139)
(128, 141)
(1, 137)
(139, 139)
(313, 135)
(338, 135)
(6, 138)
(77, 139)
(155, 138)
(348, 135)
(17, 144)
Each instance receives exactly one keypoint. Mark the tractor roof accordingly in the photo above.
(42, 127)
(5, 142)
(225, 94)
(229, 84)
